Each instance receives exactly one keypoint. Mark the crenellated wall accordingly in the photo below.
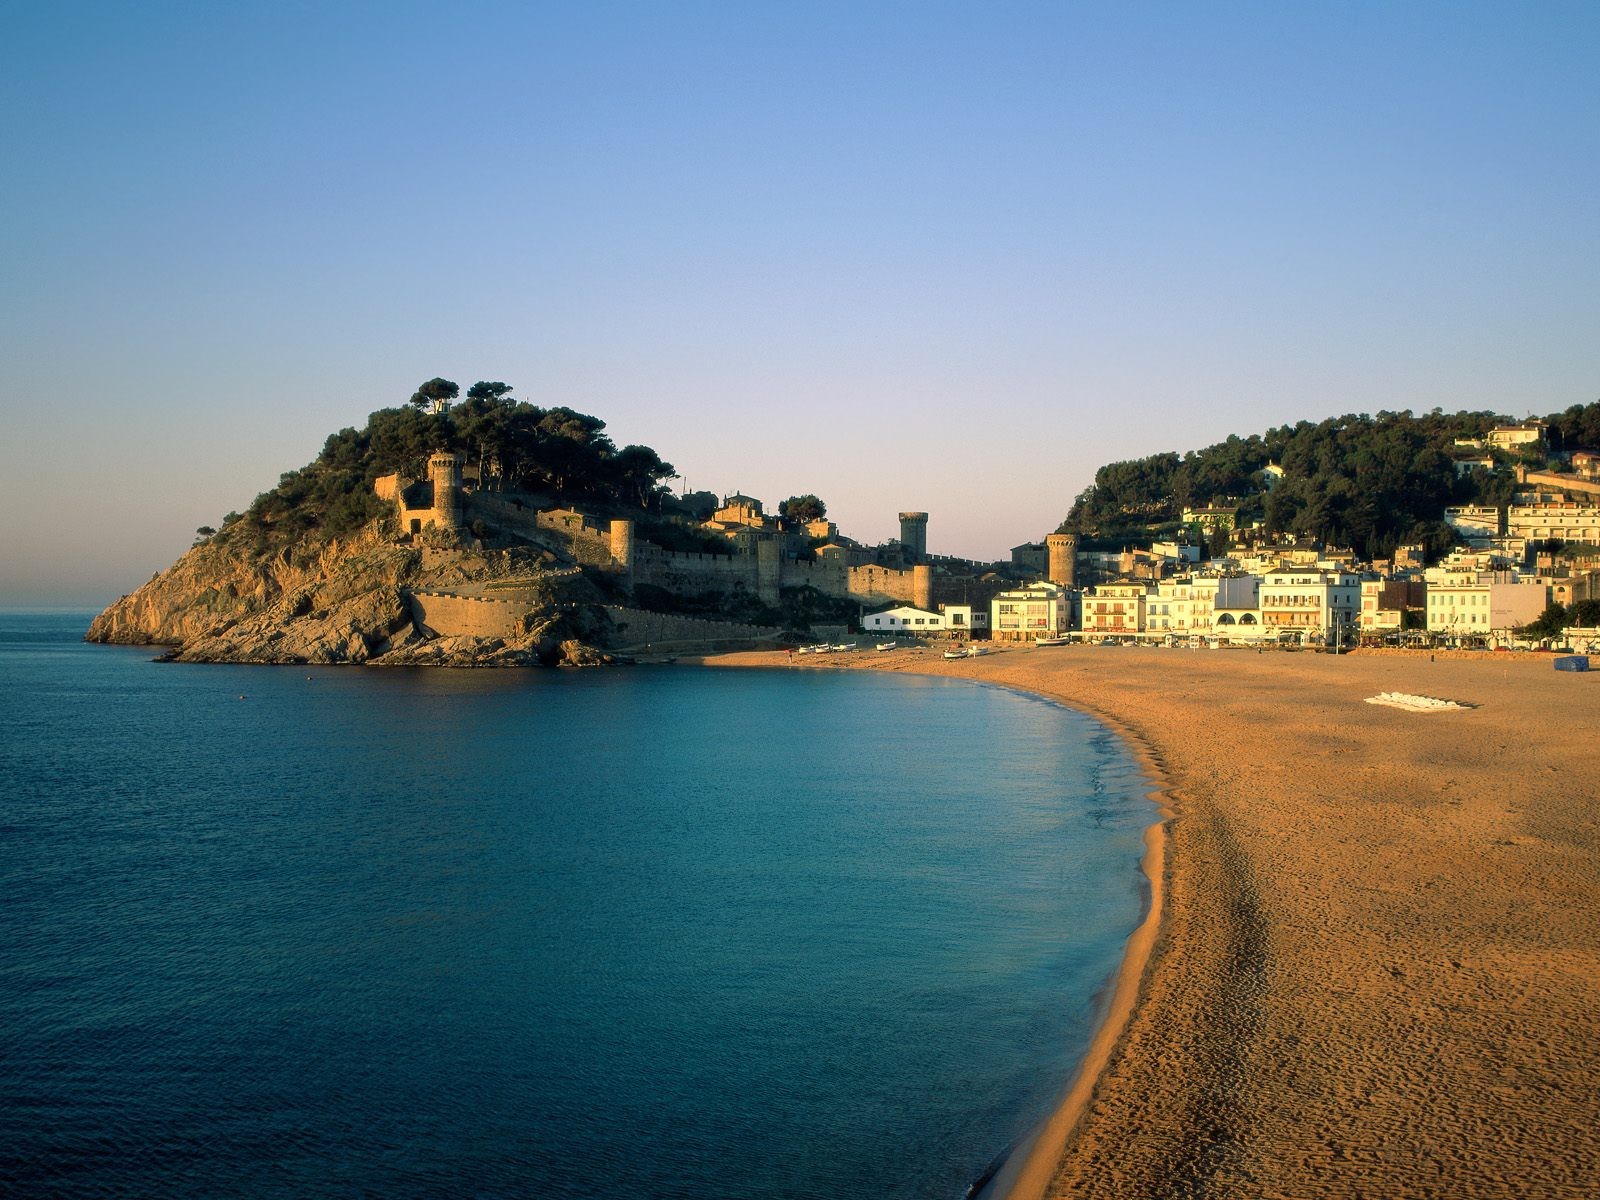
(875, 585)
(759, 565)
(450, 615)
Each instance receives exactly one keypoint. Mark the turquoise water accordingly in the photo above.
(654, 932)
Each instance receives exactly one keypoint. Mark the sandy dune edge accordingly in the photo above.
(1377, 968)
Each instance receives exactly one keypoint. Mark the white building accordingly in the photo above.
(1555, 519)
(1308, 603)
(1385, 603)
(1510, 437)
(1038, 610)
(1470, 604)
(963, 618)
(1236, 609)
(903, 619)
(1477, 523)
(1182, 606)
(1177, 551)
(1115, 610)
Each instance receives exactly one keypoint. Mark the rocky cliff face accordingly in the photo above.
(346, 602)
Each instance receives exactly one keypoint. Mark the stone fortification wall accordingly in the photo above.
(876, 585)
(692, 574)
(571, 533)
(762, 570)
(1570, 483)
(964, 589)
(450, 615)
(828, 575)
(634, 629)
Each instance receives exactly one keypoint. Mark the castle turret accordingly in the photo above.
(1063, 559)
(622, 550)
(444, 469)
(922, 586)
(914, 535)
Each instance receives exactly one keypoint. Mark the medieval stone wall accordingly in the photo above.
(692, 574)
(450, 615)
(634, 629)
(876, 585)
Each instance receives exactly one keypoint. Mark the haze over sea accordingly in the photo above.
(652, 932)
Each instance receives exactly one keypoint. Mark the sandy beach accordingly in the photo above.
(1374, 965)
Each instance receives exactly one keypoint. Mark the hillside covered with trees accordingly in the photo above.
(1368, 482)
(556, 453)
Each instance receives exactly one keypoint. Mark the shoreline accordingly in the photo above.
(1373, 963)
(1027, 1170)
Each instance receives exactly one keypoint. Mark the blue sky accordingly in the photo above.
(934, 256)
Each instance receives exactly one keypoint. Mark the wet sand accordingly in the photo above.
(1375, 968)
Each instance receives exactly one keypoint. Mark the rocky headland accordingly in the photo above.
(354, 600)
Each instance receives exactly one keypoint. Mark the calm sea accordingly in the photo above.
(660, 932)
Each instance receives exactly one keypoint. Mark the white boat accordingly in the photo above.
(882, 646)
(955, 653)
(842, 647)
(977, 651)
(1051, 641)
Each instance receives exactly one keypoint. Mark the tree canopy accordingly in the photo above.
(1368, 482)
(557, 453)
(435, 393)
(801, 509)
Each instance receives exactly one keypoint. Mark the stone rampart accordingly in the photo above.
(876, 585)
(450, 615)
(692, 574)
(761, 569)
(828, 575)
(634, 629)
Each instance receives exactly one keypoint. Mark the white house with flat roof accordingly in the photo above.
(964, 618)
(1182, 606)
(1307, 602)
(903, 619)
(1038, 610)
(1115, 610)
(1472, 604)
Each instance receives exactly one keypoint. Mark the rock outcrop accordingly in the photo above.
(349, 601)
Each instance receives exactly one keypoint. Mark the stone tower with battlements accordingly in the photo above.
(444, 469)
(1062, 549)
(622, 550)
(914, 535)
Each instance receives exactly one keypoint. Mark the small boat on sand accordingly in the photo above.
(882, 646)
(1051, 641)
(955, 653)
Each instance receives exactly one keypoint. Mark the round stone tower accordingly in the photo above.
(444, 469)
(914, 534)
(1063, 550)
(622, 550)
(922, 586)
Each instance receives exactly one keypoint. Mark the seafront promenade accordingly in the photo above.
(1376, 970)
